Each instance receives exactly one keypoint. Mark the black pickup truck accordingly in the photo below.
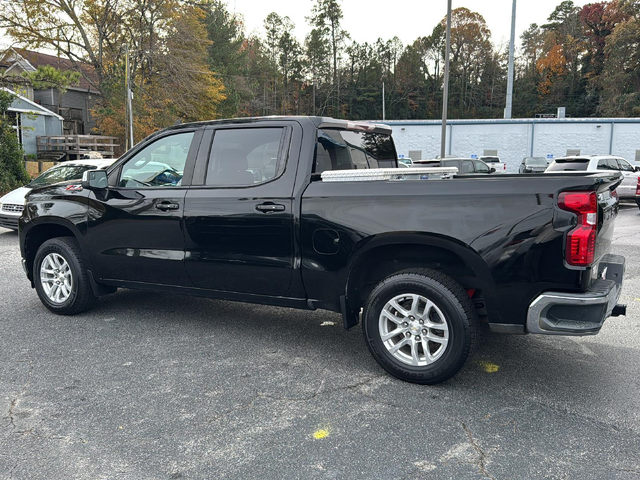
(239, 210)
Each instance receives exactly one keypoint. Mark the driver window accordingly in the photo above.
(160, 164)
(625, 166)
(481, 167)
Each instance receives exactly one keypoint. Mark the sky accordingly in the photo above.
(366, 20)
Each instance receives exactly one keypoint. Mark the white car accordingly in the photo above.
(12, 204)
(494, 162)
(595, 163)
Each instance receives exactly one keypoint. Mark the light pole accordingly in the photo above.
(445, 93)
(384, 115)
(129, 116)
(507, 110)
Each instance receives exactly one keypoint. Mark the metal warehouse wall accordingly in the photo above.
(519, 138)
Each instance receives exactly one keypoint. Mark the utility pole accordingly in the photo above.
(128, 108)
(445, 93)
(126, 100)
(507, 110)
(384, 115)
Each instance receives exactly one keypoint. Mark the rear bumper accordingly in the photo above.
(559, 313)
(9, 221)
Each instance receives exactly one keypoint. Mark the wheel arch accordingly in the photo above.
(383, 255)
(42, 229)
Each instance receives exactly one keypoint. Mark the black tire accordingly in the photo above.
(456, 307)
(81, 297)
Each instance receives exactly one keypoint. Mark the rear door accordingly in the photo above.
(239, 222)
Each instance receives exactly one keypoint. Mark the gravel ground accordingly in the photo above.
(150, 386)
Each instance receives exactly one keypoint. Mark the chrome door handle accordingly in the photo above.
(164, 206)
(270, 207)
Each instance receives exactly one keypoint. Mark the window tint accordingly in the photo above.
(572, 165)
(467, 166)
(451, 163)
(625, 166)
(603, 165)
(350, 150)
(481, 167)
(61, 173)
(538, 161)
(613, 164)
(245, 156)
(159, 164)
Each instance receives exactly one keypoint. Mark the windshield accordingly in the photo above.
(569, 165)
(490, 159)
(537, 161)
(60, 173)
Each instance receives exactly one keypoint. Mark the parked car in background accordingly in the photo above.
(492, 161)
(601, 163)
(533, 165)
(465, 166)
(638, 193)
(12, 204)
(405, 161)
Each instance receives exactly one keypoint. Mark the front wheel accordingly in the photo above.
(60, 277)
(420, 326)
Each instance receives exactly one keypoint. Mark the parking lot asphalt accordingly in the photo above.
(151, 386)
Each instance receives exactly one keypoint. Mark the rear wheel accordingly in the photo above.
(61, 278)
(420, 326)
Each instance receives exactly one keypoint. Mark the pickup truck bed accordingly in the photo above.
(243, 214)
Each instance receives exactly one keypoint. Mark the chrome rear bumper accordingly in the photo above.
(577, 314)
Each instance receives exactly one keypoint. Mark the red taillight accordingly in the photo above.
(638, 187)
(581, 241)
(505, 167)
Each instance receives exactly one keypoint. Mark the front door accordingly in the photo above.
(135, 225)
(239, 222)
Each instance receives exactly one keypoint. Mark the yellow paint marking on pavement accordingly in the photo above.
(489, 367)
(637, 299)
(322, 433)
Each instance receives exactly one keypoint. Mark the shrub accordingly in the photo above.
(12, 171)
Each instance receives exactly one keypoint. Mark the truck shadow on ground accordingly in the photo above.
(564, 367)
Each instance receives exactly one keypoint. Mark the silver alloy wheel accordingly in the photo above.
(413, 329)
(56, 278)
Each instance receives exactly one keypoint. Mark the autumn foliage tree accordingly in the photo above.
(167, 40)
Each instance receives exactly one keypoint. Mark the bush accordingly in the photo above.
(12, 171)
(31, 157)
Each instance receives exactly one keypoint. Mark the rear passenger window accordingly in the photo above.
(353, 150)
(245, 156)
(603, 165)
(613, 164)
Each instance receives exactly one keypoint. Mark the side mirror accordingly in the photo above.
(492, 170)
(94, 179)
(637, 169)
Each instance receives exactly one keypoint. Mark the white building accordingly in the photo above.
(512, 140)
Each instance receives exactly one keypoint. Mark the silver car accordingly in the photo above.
(533, 165)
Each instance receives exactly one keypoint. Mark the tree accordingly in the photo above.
(226, 56)
(621, 72)
(326, 17)
(12, 170)
(167, 40)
